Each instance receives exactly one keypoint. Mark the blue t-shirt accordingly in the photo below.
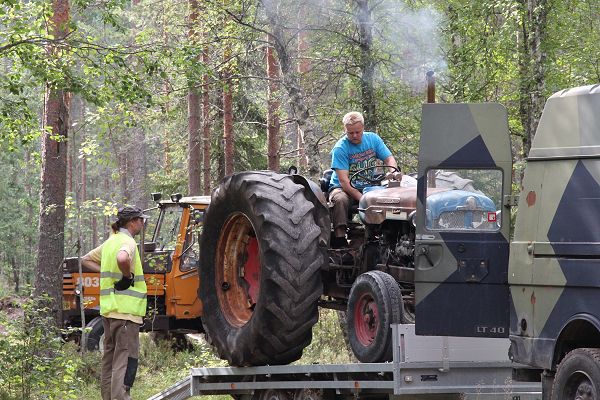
(352, 157)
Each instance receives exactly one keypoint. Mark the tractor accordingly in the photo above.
(267, 265)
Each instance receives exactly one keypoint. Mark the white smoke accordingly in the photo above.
(414, 38)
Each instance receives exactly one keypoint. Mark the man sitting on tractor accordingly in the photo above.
(355, 151)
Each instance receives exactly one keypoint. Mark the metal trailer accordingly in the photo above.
(424, 367)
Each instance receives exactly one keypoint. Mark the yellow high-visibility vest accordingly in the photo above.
(130, 301)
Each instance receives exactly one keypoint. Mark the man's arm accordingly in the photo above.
(92, 259)
(390, 161)
(90, 264)
(124, 263)
(344, 178)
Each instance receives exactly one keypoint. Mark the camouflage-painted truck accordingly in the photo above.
(541, 288)
(441, 255)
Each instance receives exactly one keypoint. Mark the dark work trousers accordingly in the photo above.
(120, 358)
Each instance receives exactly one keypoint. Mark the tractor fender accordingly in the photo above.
(316, 196)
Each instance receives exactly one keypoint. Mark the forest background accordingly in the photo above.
(104, 101)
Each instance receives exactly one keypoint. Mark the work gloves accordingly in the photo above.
(124, 283)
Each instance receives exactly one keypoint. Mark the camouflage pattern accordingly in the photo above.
(461, 274)
(553, 267)
(554, 257)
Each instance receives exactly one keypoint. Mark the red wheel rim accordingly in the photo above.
(237, 269)
(366, 319)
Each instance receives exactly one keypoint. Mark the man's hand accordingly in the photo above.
(124, 283)
(394, 176)
(344, 177)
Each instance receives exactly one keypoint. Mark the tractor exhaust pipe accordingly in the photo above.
(430, 86)
(431, 183)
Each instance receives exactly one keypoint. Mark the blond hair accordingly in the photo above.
(352, 118)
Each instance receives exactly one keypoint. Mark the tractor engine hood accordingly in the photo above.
(395, 203)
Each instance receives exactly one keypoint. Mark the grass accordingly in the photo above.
(161, 367)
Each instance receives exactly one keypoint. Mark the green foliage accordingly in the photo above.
(33, 362)
(160, 366)
(18, 216)
(573, 44)
(328, 345)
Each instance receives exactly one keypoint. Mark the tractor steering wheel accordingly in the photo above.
(374, 180)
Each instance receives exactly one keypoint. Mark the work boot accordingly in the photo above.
(338, 242)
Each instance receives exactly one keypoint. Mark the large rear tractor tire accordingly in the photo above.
(374, 304)
(260, 279)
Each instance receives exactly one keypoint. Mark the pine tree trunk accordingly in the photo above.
(50, 248)
(136, 153)
(524, 83)
(219, 120)
(205, 126)
(364, 21)
(538, 11)
(194, 138)
(194, 144)
(303, 68)
(228, 120)
(300, 112)
(16, 272)
(30, 247)
(273, 135)
(94, 232)
(532, 67)
(137, 167)
(123, 165)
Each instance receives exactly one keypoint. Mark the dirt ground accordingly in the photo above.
(9, 309)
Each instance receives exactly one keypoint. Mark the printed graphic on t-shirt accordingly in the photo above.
(359, 161)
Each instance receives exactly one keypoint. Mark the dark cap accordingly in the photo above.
(129, 212)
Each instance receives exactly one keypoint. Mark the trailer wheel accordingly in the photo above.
(375, 302)
(578, 376)
(260, 269)
(308, 394)
(95, 335)
(271, 394)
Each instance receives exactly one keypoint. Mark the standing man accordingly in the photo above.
(122, 302)
(355, 151)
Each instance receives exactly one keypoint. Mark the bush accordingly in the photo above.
(328, 345)
(33, 362)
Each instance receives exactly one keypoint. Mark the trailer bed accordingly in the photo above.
(424, 367)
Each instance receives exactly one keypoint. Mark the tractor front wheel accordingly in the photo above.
(374, 304)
